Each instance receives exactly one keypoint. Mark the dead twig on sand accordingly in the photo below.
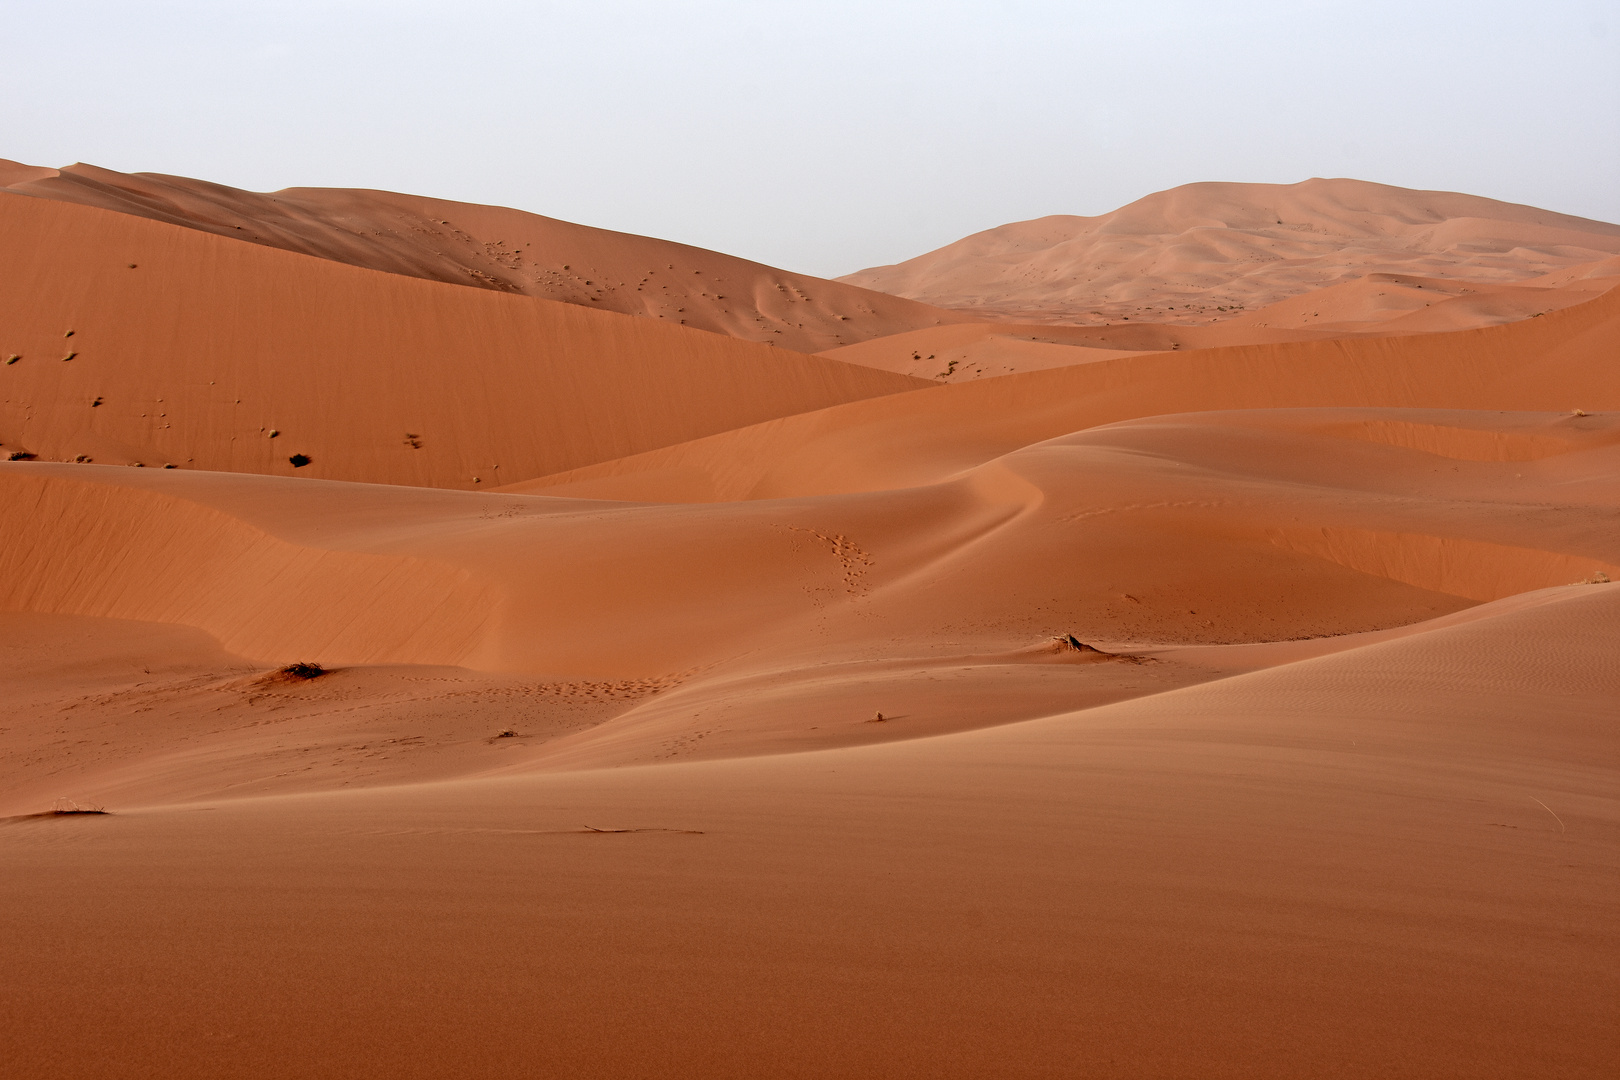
(1549, 810)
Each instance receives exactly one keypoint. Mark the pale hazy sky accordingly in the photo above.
(823, 136)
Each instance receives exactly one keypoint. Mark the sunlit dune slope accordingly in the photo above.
(505, 250)
(1561, 362)
(1201, 252)
(127, 340)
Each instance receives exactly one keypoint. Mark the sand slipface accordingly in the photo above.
(1181, 696)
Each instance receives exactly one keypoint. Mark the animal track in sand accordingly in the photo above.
(622, 689)
(853, 559)
(683, 744)
(511, 511)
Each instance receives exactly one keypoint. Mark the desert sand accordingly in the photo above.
(503, 250)
(1199, 253)
(955, 684)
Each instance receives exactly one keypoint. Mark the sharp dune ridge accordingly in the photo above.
(973, 681)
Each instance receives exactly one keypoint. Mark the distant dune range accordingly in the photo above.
(1198, 253)
(1004, 690)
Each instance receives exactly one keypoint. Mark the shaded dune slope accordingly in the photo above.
(504, 250)
(192, 349)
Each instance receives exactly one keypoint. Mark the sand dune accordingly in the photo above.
(765, 625)
(1199, 253)
(142, 342)
(503, 250)
(965, 352)
(1559, 363)
(1375, 305)
(1403, 304)
(605, 697)
(1391, 858)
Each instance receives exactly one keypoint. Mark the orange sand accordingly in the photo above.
(192, 349)
(595, 781)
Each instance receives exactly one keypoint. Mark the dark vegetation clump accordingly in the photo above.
(20, 455)
(302, 670)
(300, 460)
(66, 806)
